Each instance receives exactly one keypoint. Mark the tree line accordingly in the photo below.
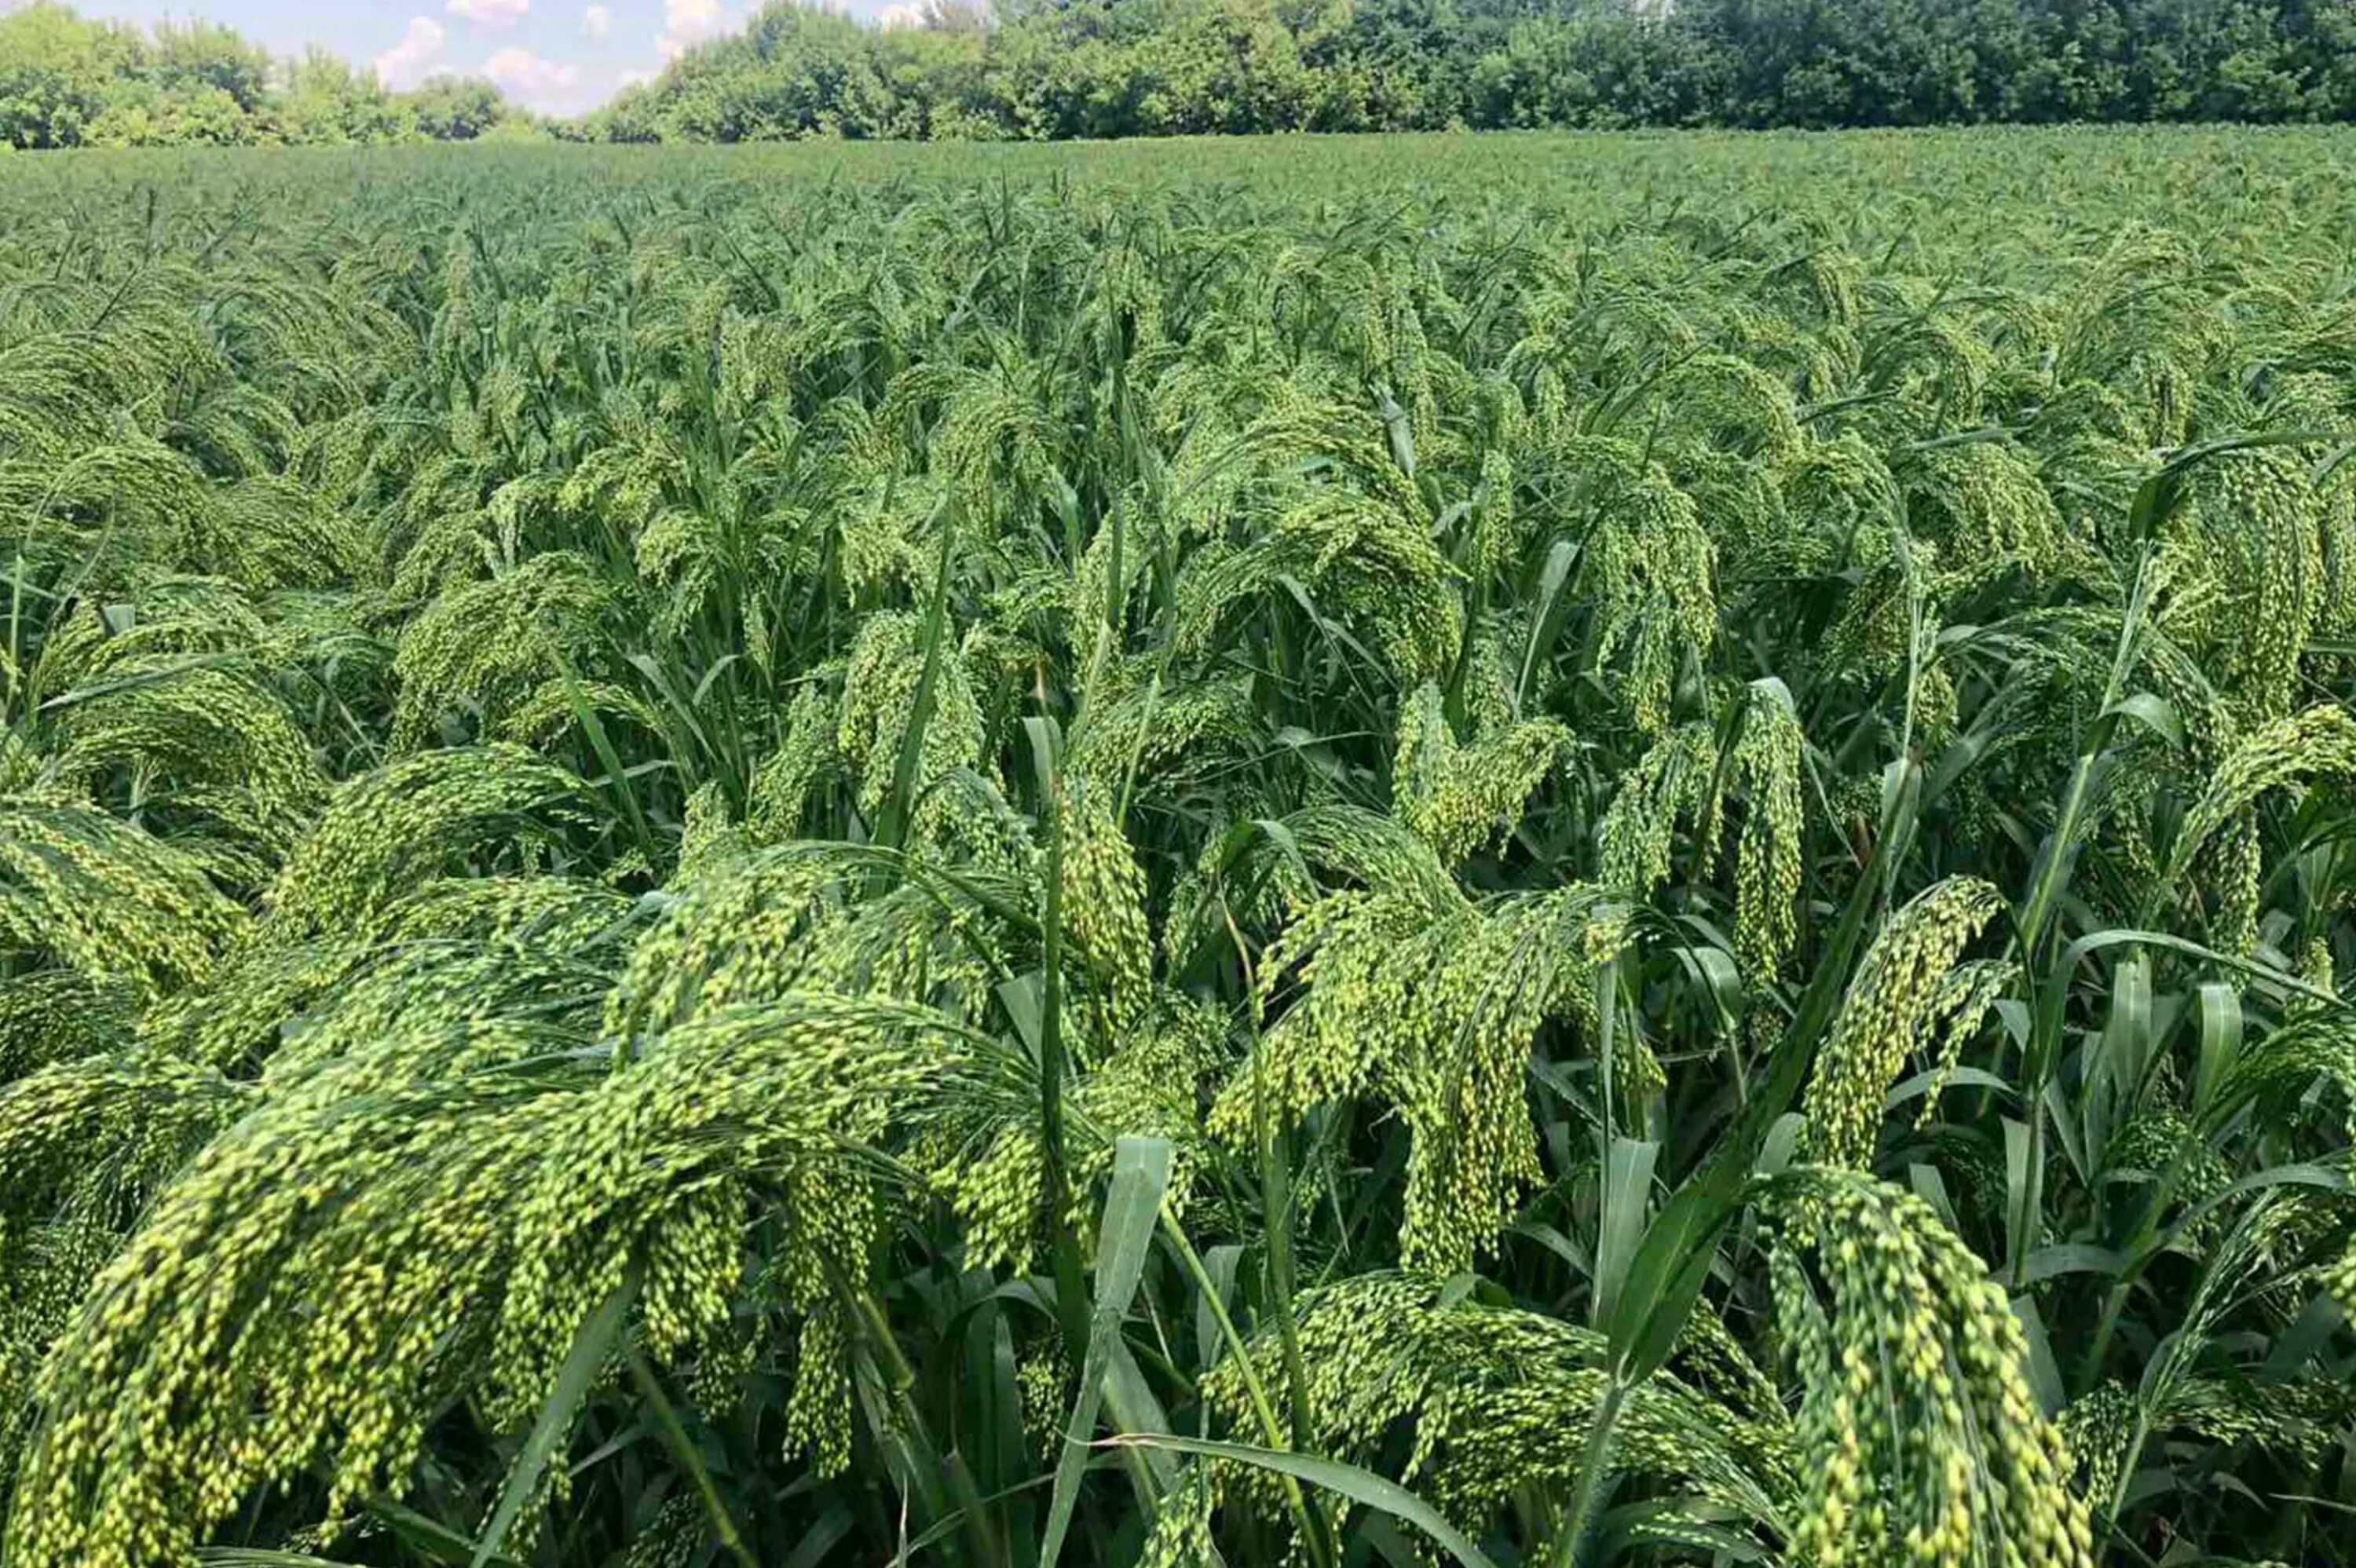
(68, 80)
(1058, 69)
(1115, 67)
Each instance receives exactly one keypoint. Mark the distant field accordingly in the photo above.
(2029, 185)
(1641, 840)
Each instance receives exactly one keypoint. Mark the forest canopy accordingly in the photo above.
(1042, 69)
(68, 80)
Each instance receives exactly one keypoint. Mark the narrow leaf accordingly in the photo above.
(1344, 1480)
(1141, 1177)
(582, 1365)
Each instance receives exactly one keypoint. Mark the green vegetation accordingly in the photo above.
(1545, 850)
(68, 81)
(1035, 70)
(1131, 68)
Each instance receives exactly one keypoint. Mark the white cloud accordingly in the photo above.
(527, 78)
(689, 22)
(488, 13)
(900, 16)
(597, 21)
(403, 66)
(635, 77)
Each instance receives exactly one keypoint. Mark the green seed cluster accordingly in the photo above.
(991, 1167)
(1167, 737)
(475, 865)
(1497, 1402)
(1349, 552)
(753, 928)
(1103, 905)
(1982, 505)
(2281, 1075)
(2318, 743)
(671, 1538)
(242, 1012)
(1768, 847)
(1901, 989)
(1182, 1535)
(391, 829)
(1920, 1440)
(2162, 1142)
(1432, 1012)
(1727, 403)
(1830, 491)
(879, 695)
(2096, 1429)
(1651, 570)
(465, 1222)
(1676, 781)
(781, 786)
(226, 743)
(2340, 1280)
(55, 1015)
(1044, 1381)
(83, 1145)
(1458, 797)
(101, 897)
(1962, 1004)
(488, 644)
(2254, 530)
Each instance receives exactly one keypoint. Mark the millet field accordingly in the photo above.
(1539, 850)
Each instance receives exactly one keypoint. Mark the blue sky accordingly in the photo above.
(558, 56)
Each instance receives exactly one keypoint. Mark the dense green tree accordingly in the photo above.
(66, 81)
(328, 102)
(1054, 69)
(194, 55)
(57, 74)
(457, 107)
(1051, 70)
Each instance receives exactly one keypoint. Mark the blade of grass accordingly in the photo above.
(1141, 1178)
(1360, 1486)
(582, 1365)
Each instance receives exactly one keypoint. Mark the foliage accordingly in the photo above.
(961, 69)
(1149, 68)
(68, 81)
(1649, 835)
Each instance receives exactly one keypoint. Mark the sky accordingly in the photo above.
(560, 57)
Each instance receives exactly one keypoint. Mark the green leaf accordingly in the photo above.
(2071, 1257)
(1551, 607)
(2018, 1222)
(574, 1380)
(431, 1537)
(585, 714)
(1948, 1080)
(1932, 1187)
(2221, 1039)
(2155, 713)
(2044, 1374)
(1141, 1177)
(1344, 1480)
(823, 1537)
(1023, 998)
(1628, 1188)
